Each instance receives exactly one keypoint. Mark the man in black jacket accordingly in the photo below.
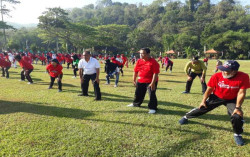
(111, 69)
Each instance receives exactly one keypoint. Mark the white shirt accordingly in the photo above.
(90, 66)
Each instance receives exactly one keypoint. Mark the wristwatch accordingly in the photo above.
(238, 108)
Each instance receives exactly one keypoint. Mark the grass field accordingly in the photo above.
(35, 121)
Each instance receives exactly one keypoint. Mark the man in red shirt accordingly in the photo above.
(229, 89)
(27, 69)
(148, 69)
(54, 69)
(5, 65)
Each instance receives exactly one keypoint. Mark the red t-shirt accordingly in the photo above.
(27, 59)
(25, 65)
(228, 88)
(146, 70)
(124, 59)
(54, 71)
(4, 63)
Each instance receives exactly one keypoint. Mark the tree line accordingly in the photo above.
(115, 27)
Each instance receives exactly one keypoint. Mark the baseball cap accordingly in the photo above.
(55, 60)
(229, 65)
(195, 58)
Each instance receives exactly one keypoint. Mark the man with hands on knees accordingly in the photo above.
(146, 70)
(89, 69)
(228, 88)
(195, 68)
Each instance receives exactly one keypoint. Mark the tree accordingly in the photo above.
(113, 36)
(53, 24)
(5, 11)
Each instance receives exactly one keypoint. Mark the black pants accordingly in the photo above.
(27, 75)
(5, 71)
(121, 69)
(169, 65)
(85, 86)
(43, 63)
(214, 102)
(68, 64)
(140, 92)
(75, 69)
(52, 80)
(189, 83)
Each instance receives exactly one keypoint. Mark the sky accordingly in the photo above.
(28, 11)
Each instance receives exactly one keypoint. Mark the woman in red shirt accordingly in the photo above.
(27, 69)
(54, 69)
(5, 65)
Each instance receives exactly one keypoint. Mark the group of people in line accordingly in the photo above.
(227, 87)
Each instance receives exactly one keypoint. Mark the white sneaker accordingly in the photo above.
(115, 86)
(152, 111)
(74, 77)
(21, 80)
(131, 105)
(29, 83)
(106, 83)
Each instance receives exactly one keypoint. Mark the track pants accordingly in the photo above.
(214, 102)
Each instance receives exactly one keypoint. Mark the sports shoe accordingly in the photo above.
(59, 90)
(115, 86)
(183, 121)
(131, 105)
(106, 83)
(30, 83)
(185, 92)
(152, 111)
(50, 88)
(238, 140)
(74, 77)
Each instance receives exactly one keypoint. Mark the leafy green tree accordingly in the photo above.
(5, 12)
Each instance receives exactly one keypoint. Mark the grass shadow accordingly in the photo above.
(15, 107)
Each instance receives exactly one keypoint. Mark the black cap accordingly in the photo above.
(55, 60)
(195, 58)
(229, 65)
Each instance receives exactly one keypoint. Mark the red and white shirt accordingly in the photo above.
(146, 70)
(54, 71)
(228, 89)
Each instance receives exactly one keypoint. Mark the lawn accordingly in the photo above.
(35, 121)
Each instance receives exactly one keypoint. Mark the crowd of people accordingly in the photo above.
(227, 87)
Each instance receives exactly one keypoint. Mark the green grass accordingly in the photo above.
(35, 121)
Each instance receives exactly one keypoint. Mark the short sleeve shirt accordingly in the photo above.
(146, 70)
(54, 71)
(25, 65)
(228, 89)
(90, 66)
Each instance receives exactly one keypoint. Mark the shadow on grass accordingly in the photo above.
(179, 148)
(15, 107)
(208, 116)
(55, 84)
(217, 127)
(173, 81)
(13, 72)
